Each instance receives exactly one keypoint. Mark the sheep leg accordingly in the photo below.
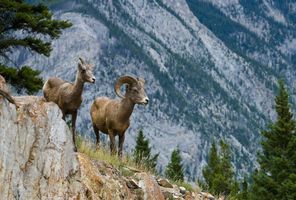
(74, 116)
(120, 145)
(112, 142)
(96, 130)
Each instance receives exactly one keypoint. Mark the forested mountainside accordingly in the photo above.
(210, 67)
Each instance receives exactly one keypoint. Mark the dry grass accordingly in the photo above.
(127, 166)
(186, 185)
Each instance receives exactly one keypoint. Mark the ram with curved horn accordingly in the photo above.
(68, 96)
(111, 116)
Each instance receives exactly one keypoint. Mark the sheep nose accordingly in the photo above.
(94, 80)
(146, 100)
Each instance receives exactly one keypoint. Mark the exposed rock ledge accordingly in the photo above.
(37, 161)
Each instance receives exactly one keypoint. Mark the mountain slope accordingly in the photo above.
(209, 73)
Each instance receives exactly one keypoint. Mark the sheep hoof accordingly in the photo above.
(75, 149)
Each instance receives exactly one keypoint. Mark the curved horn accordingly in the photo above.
(81, 60)
(122, 80)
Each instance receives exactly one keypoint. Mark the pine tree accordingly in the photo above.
(235, 190)
(212, 168)
(174, 169)
(240, 191)
(37, 28)
(226, 169)
(218, 174)
(244, 193)
(276, 178)
(142, 153)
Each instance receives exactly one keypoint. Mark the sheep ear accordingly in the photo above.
(141, 80)
(81, 60)
(81, 66)
(127, 87)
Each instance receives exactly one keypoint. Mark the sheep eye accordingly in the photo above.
(83, 70)
(135, 90)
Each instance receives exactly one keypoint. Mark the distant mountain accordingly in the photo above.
(211, 68)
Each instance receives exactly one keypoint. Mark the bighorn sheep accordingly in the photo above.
(111, 116)
(68, 96)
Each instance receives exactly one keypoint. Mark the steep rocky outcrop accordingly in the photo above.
(37, 161)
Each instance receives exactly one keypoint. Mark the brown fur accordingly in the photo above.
(112, 117)
(68, 96)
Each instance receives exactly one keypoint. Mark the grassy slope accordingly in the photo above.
(126, 166)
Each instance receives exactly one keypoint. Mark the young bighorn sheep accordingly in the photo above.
(68, 96)
(112, 117)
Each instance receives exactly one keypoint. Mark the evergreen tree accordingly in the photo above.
(218, 174)
(235, 190)
(30, 27)
(226, 169)
(276, 178)
(212, 168)
(240, 191)
(244, 193)
(142, 153)
(174, 169)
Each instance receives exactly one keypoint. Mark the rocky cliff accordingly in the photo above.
(37, 161)
(210, 67)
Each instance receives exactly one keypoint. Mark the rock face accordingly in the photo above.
(37, 160)
(103, 181)
(150, 187)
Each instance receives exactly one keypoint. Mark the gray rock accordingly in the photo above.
(132, 184)
(103, 181)
(207, 196)
(149, 186)
(171, 193)
(36, 153)
(164, 183)
(182, 190)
